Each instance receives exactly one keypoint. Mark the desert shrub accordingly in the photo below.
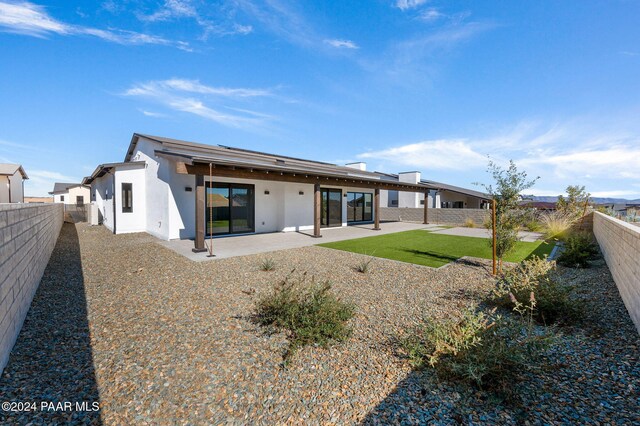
(484, 349)
(578, 250)
(533, 287)
(364, 265)
(487, 223)
(268, 264)
(469, 223)
(309, 312)
(533, 224)
(556, 224)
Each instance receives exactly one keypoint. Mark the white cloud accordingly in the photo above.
(177, 94)
(409, 4)
(172, 9)
(601, 156)
(431, 155)
(341, 44)
(31, 19)
(152, 113)
(430, 15)
(40, 182)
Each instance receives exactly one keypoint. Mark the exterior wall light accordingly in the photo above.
(266, 192)
(300, 192)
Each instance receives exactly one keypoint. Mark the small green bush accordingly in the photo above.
(309, 312)
(364, 265)
(550, 303)
(484, 349)
(268, 264)
(578, 250)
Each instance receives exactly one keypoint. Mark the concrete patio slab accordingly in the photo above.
(242, 245)
(485, 233)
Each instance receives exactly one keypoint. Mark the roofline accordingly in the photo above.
(69, 187)
(19, 169)
(87, 180)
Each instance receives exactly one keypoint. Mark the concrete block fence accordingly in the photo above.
(28, 234)
(620, 245)
(441, 216)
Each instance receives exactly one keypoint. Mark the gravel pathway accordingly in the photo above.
(171, 343)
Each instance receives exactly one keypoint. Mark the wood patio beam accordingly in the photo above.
(284, 176)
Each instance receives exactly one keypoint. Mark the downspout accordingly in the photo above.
(9, 187)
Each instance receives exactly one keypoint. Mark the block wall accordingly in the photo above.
(441, 216)
(620, 245)
(28, 234)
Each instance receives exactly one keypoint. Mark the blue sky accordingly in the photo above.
(401, 84)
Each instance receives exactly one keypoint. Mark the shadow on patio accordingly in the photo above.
(52, 360)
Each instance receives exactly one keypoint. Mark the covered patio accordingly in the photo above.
(243, 245)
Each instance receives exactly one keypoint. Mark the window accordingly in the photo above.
(127, 198)
(79, 200)
(62, 198)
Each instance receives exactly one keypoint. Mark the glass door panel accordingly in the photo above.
(351, 204)
(335, 208)
(241, 210)
(368, 207)
(218, 204)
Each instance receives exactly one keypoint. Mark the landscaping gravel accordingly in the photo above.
(171, 342)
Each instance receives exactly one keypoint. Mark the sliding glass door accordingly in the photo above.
(233, 209)
(359, 207)
(331, 208)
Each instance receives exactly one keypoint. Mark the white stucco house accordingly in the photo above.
(175, 189)
(442, 196)
(12, 177)
(75, 194)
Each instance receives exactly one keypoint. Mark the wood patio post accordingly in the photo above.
(376, 210)
(316, 211)
(426, 208)
(200, 206)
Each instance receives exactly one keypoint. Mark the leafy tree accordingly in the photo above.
(575, 203)
(508, 186)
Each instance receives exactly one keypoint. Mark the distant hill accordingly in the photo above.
(597, 200)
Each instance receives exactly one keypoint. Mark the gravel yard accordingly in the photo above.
(164, 340)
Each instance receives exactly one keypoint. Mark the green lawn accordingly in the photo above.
(425, 248)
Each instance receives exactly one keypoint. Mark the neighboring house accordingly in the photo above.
(160, 188)
(545, 206)
(442, 196)
(75, 194)
(12, 177)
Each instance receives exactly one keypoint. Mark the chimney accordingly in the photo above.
(409, 177)
(360, 166)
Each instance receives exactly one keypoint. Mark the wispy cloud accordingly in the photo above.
(430, 15)
(409, 4)
(285, 19)
(179, 94)
(341, 44)
(40, 182)
(417, 58)
(604, 159)
(444, 154)
(152, 113)
(33, 20)
(199, 12)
